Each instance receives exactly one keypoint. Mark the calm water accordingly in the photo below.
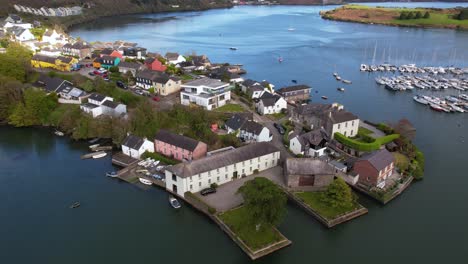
(40, 175)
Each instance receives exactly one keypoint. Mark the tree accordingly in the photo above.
(403, 15)
(410, 15)
(426, 15)
(114, 69)
(463, 15)
(15, 62)
(144, 121)
(265, 202)
(11, 93)
(338, 194)
(35, 108)
(405, 128)
(418, 15)
(88, 86)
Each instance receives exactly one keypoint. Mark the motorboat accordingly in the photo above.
(174, 202)
(99, 155)
(59, 133)
(324, 97)
(291, 29)
(347, 81)
(145, 181)
(436, 108)
(111, 174)
(456, 108)
(338, 78)
(420, 99)
(75, 205)
(94, 146)
(340, 89)
(233, 48)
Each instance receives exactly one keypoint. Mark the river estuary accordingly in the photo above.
(41, 175)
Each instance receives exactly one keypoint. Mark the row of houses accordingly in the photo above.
(46, 11)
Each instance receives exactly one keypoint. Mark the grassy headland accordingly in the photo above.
(409, 17)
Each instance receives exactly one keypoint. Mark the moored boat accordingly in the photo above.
(420, 99)
(347, 81)
(59, 133)
(233, 48)
(340, 89)
(436, 108)
(111, 174)
(75, 205)
(94, 146)
(174, 202)
(145, 181)
(99, 155)
(324, 97)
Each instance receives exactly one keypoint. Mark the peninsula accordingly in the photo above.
(453, 18)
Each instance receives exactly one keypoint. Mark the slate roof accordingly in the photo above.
(252, 127)
(302, 166)
(293, 88)
(110, 104)
(313, 138)
(108, 58)
(130, 65)
(133, 142)
(313, 109)
(379, 159)
(97, 97)
(50, 84)
(80, 45)
(249, 82)
(236, 121)
(223, 159)
(212, 83)
(172, 56)
(177, 140)
(107, 51)
(342, 116)
(89, 105)
(269, 99)
(155, 76)
(17, 31)
(65, 59)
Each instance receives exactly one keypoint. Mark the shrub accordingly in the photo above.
(151, 90)
(426, 15)
(403, 15)
(255, 171)
(361, 146)
(214, 185)
(211, 210)
(463, 14)
(410, 15)
(418, 15)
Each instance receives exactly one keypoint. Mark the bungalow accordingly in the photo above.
(78, 49)
(179, 147)
(59, 63)
(20, 34)
(155, 65)
(271, 104)
(174, 58)
(311, 144)
(109, 61)
(296, 93)
(162, 83)
(375, 168)
(134, 146)
(131, 67)
(205, 92)
(221, 168)
(68, 94)
(247, 129)
(307, 174)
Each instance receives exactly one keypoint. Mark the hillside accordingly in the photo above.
(100, 8)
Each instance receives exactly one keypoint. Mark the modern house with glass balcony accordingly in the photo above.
(205, 92)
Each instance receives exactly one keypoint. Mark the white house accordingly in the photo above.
(134, 146)
(247, 129)
(343, 122)
(205, 92)
(271, 104)
(20, 25)
(20, 34)
(103, 105)
(221, 168)
(174, 58)
(311, 144)
(54, 38)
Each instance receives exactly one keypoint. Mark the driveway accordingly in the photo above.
(226, 197)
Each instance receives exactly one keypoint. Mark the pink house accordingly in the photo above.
(155, 65)
(179, 147)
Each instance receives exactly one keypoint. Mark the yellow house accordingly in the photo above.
(60, 63)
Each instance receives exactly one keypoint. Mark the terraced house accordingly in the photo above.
(162, 83)
(178, 147)
(60, 63)
(296, 93)
(221, 168)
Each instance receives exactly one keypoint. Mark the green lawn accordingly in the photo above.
(312, 199)
(230, 108)
(236, 220)
(364, 131)
(277, 116)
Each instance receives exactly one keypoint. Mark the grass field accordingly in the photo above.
(312, 199)
(236, 220)
(230, 108)
(390, 16)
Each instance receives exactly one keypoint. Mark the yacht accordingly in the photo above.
(420, 99)
(456, 108)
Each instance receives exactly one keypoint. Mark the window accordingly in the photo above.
(199, 184)
(352, 123)
(190, 186)
(243, 163)
(217, 170)
(243, 171)
(352, 132)
(345, 133)
(251, 162)
(217, 178)
(346, 124)
(225, 176)
(174, 178)
(258, 166)
(209, 181)
(225, 168)
(250, 169)
(338, 126)
(258, 159)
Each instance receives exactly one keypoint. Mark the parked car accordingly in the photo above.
(156, 99)
(91, 73)
(96, 72)
(140, 92)
(121, 84)
(207, 191)
(280, 128)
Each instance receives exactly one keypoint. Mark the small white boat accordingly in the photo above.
(145, 181)
(100, 155)
(347, 81)
(291, 29)
(457, 108)
(340, 89)
(420, 100)
(233, 48)
(111, 174)
(59, 133)
(94, 146)
(338, 78)
(75, 205)
(174, 203)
